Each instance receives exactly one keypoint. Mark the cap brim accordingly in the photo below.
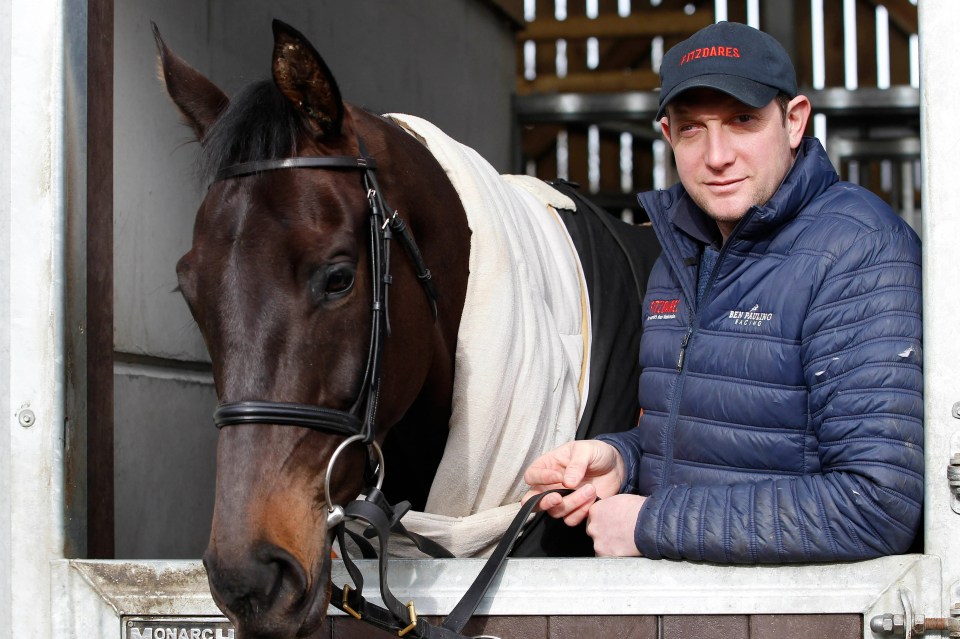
(748, 91)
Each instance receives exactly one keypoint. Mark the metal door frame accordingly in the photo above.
(42, 594)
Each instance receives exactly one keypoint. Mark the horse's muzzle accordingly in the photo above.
(267, 593)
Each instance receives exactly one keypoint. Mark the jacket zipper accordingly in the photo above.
(675, 404)
(683, 348)
(697, 306)
(694, 325)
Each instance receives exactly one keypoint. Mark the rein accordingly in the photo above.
(381, 517)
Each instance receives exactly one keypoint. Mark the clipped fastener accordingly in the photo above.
(27, 418)
(894, 625)
(335, 516)
(888, 624)
(956, 410)
(953, 474)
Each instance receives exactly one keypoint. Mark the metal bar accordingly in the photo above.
(99, 311)
(75, 353)
(642, 105)
(574, 586)
(903, 14)
(654, 23)
(593, 81)
(940, 130)
(32, 208)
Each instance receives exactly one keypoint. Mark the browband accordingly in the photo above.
(328, 162)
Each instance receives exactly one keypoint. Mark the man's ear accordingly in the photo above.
(798, 114)
(665, 129)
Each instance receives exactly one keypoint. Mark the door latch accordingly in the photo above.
(953, 478)
(909, 625)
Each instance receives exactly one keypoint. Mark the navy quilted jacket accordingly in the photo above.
(783, 416)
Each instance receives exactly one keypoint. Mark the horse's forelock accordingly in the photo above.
(259, 124)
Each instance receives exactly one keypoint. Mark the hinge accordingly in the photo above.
(953, 468)
(908, 624)
(953, 478)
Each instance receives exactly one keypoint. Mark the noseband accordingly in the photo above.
(383, 226)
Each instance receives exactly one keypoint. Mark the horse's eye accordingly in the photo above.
(332, 282)
(339, 280)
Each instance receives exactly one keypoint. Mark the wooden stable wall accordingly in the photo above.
(627, 51)
(637, 627)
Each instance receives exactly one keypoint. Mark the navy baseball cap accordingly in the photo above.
(738, 60)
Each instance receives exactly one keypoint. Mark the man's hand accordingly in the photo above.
(594, 468)
(611, 523)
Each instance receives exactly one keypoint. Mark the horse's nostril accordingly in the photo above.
(267, 583)
(288, 577)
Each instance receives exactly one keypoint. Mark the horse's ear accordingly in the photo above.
(200, 101)
(303, 77)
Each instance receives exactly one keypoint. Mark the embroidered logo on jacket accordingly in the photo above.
(663, 309)
(753, 317)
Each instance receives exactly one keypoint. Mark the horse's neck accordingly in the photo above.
(429, 204)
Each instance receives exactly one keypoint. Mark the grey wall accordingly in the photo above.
(450, 61)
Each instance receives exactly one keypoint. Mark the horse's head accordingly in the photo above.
(281, 279)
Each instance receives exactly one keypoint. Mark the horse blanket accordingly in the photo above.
(522, 359)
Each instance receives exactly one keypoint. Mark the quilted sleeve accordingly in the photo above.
(628, 445)
(861, 355)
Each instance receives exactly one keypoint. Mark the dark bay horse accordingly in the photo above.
(287, 279)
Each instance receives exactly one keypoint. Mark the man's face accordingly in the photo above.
(731, 156)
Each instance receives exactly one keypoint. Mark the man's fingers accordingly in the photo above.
(581, 509)
(548, 501)
(542, 476)
(569, 508)
(577, 516)
(552, 500)
(581, 459)
(611, 524)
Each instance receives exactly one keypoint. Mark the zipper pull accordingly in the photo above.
(683, 350)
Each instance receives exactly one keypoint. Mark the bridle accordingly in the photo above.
(382, 517)
(384, 225)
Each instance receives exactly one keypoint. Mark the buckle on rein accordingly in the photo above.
(382, 518)
(346, 607)
(413, 619)
(346, 603)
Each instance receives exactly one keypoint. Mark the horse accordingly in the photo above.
(331, 361)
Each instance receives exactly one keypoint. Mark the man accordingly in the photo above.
(781, 349)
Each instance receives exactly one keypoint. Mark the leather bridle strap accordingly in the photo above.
(318, 162)
(287, 414)
(383, 225)
(399, 618)
(393, 223)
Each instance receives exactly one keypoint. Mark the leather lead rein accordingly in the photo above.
(399, 618)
